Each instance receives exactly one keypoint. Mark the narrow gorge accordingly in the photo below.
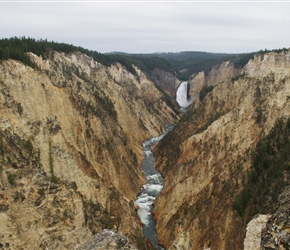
(207, 159)
(154, 181)
(71, 146)
(150, 191)
(78, 169)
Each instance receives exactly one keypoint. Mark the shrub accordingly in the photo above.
(237, 77)
(11, 178)
(50, 159)
(204, 91)
(269, 174)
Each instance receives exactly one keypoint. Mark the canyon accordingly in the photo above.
(71, 154)
(206, 158)
(71, 149)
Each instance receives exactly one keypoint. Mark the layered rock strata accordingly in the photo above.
(218, 74)
(71, 135)
(210, 153)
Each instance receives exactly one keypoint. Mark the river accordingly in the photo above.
(154, 182)
(150, 191)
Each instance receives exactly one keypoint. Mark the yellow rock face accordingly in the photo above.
(194, 210)
(71, 134)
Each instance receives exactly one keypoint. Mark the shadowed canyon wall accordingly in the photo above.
(205, 159)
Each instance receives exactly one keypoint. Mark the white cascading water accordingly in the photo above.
(182, 95)
(154, 182)
(150, 190)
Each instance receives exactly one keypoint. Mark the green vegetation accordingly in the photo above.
(168, 100)
(106, 103)
(102, 106)
(50, 162)
(95, 111)
(19, 196)
(103, 220)
(241, 60)
(29, 148)
(1, 153)
(182, 64)
(149, 62)
(11, 178)
(237, 77)
(169, 147)
(16, 48)
(187, 63)
(204, 91)
(260, 115)
(269, 175)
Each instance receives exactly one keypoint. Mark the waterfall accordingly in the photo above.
(182, 95)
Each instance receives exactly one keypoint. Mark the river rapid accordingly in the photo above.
(150, 191)
(154, 181)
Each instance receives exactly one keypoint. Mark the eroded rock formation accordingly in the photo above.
(107, 240)
(71, 134)
(254, 232)
(276, 233)
(210, 153)
(219, 73)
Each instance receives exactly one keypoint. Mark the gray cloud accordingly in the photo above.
(152, 27)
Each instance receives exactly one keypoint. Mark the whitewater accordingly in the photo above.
(182, 95)
(150, 191)
(154, 181)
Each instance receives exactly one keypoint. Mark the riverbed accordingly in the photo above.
(150, 191)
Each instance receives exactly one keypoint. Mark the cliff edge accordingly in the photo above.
(71, 132)
(210, 153)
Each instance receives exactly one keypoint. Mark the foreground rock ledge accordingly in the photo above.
(107, 240)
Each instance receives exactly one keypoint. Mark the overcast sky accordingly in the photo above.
(152, 26)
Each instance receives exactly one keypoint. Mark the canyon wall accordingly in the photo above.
(205, 159)
(275, 234)
(219, 73)
(71, 135)
(165, 81)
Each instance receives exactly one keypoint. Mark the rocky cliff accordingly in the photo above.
(254, 232)
(219, 73)
(206, 158)
(270, 231)
(70, 140)
(275, 234)
(165, 81)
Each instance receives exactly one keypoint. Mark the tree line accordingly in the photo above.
(17, 47)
